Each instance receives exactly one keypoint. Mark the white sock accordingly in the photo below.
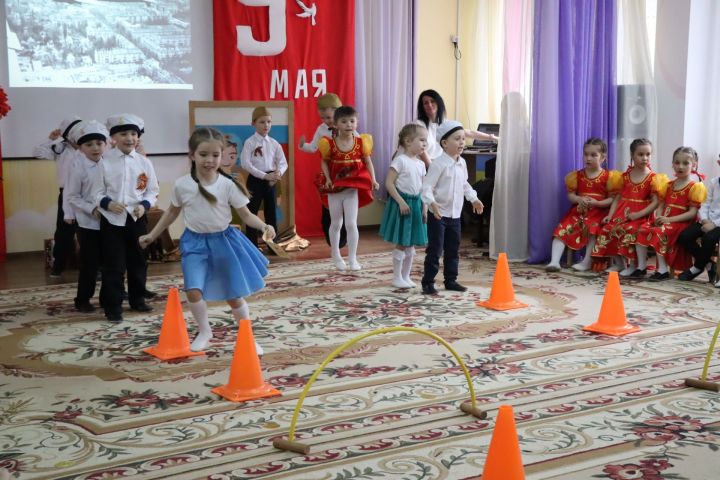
(351, 208)
(587, 259)
(616, 264)
(199, 312)
(398, 257)
(335, 206)
(642, 256)
(694, 270)
(243, 313)
(558, 247)
(629, 269)
(407, 266)
(662, 266)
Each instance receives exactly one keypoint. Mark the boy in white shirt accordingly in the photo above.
(128, 189)
(64, 152)
(707, 229)
(442, 190)
(81, 186)
(263, 158)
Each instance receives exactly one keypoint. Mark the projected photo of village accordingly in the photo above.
(99, 43)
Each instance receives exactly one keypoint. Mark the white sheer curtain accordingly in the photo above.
(481, 76)
(384, 73)
(702, 101)
(509, 220)
(637, 100)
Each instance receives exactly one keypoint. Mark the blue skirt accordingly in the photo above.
(223, 265)
(405, 230)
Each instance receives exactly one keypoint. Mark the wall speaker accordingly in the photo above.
(636, 110)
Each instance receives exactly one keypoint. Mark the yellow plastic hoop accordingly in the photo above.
(708, 357)
(353, 341)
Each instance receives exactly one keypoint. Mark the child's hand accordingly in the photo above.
(272, 177)
(328, 184)
(145, 240)
(55, 134)
(139, 211)
(478, 207)
(630, 217)
(96, 213)
(662, 220)
(707, 226)
(116, 207)
(435, 210)
(606, 219)
(404, 209)
(69, 221)
(268, 233)
(424, 216)
(375, 185)
(302, 140)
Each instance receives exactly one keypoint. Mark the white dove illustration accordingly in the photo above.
(307, 12)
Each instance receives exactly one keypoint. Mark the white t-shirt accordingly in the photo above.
(200, 215)
(410, 174)
(434, 149)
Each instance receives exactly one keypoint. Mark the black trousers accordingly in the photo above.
(64, 238)
(701, 253)
(89, 263)
(261, 192)
(443, 239)
(121, 252)
(325, 219)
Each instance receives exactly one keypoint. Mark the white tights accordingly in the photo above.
(345, 202)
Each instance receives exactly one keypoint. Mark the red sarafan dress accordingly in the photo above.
(618, 236)
(663, 238)
(347, 169)
(578, 225)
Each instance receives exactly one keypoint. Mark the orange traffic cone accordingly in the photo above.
(612, 320)
(173, 341)
(246, 380)
(502, 295)
(504, 461)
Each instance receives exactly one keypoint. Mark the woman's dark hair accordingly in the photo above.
(422, 116)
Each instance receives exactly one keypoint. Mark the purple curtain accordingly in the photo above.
(574, 98)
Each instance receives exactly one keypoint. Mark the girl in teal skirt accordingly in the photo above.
(405, 216)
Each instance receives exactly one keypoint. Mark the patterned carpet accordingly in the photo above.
(79, 399)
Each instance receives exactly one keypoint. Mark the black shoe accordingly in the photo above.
(659, 277)
(148, 294)
(429, 289)
(55, 273)
(84, 307)
(114, 317)
(687, 275)
(712, 274)
(455, 286)
(638, 273)
(141, 307)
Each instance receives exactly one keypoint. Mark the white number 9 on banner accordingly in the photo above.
(275, 44)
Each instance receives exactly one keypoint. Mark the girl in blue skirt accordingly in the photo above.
(405, 216)
(218, 261)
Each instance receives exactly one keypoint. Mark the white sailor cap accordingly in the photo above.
(446, 128)
(88, 130)
(67, 124)
(125, 121)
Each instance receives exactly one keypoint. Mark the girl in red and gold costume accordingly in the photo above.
(680, 202)
(639, 188)
(346, 182)
(588, 189)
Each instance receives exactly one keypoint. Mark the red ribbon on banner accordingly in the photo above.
(288, 50)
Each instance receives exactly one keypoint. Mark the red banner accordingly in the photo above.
(288, 50)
